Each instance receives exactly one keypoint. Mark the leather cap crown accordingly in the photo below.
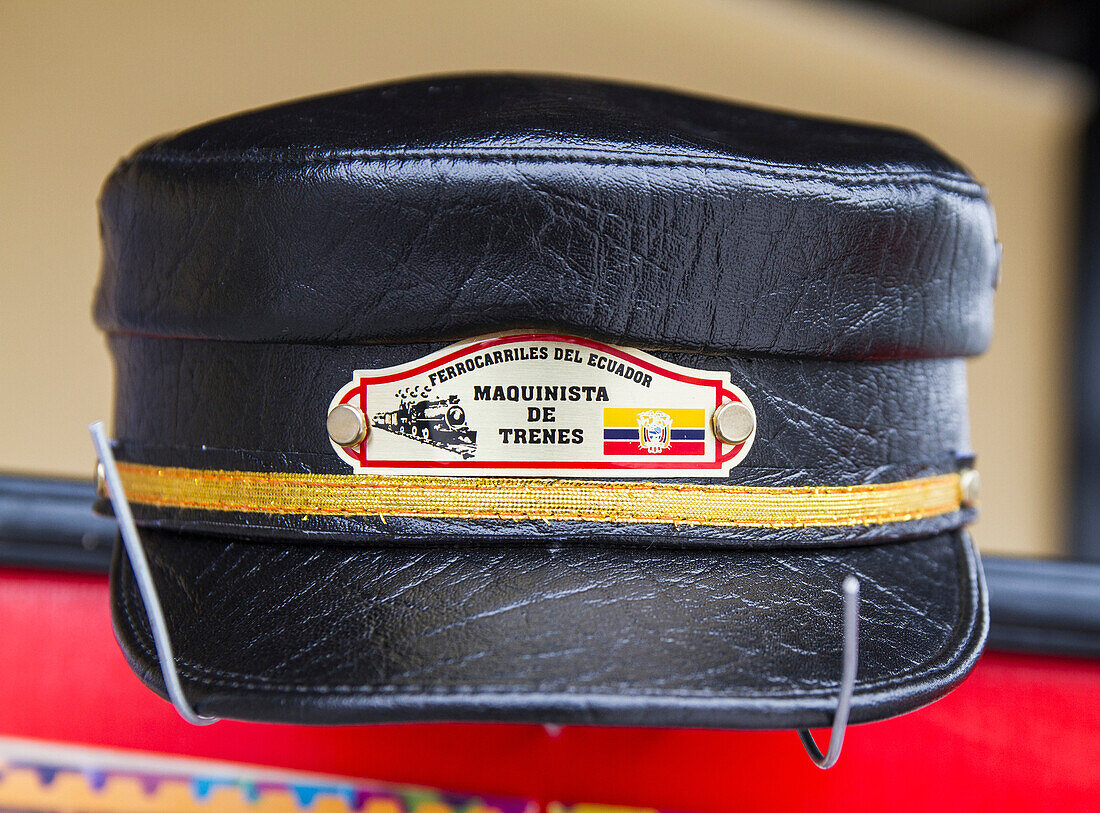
(440, 209)
(834, 276)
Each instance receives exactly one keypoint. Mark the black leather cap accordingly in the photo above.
(838, 274)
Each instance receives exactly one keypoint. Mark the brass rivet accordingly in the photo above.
(733, 422)
(347, 426)
(100, 481)
(970, 487)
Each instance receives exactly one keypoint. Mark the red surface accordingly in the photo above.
(1022, 733)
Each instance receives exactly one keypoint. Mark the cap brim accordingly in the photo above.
(607, 635)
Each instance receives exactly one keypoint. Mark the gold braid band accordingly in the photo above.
(511, 498)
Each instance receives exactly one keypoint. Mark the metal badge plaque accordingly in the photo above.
(539, 404)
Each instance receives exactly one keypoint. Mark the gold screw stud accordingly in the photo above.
(970, 487)
(100, 481)
(347, 426)
(733, 422)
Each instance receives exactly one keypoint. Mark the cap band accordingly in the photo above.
(541, 499)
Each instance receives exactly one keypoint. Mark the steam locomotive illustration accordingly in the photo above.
(440, 422)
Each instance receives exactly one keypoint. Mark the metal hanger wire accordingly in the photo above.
(847, 682)
(146, 587)
(144, 576)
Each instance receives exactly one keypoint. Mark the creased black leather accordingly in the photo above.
(245, 406)
(820, 421)
(438, 209)
(839, 273)
(554, 633)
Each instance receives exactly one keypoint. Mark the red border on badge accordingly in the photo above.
(362, 381)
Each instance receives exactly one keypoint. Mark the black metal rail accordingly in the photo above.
(49, 523)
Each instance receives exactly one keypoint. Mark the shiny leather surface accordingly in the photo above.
(840, 273)
(261, 407)
(441, 209)
(554, 633)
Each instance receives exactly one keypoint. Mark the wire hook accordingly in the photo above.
(144, 576)
(155, 613)
(847, 682)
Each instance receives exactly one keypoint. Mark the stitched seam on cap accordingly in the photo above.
(649, 344)
(949, 183)
(822, 537)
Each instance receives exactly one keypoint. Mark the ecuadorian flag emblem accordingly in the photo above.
(653, 431)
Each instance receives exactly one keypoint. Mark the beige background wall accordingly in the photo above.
(83, 83)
